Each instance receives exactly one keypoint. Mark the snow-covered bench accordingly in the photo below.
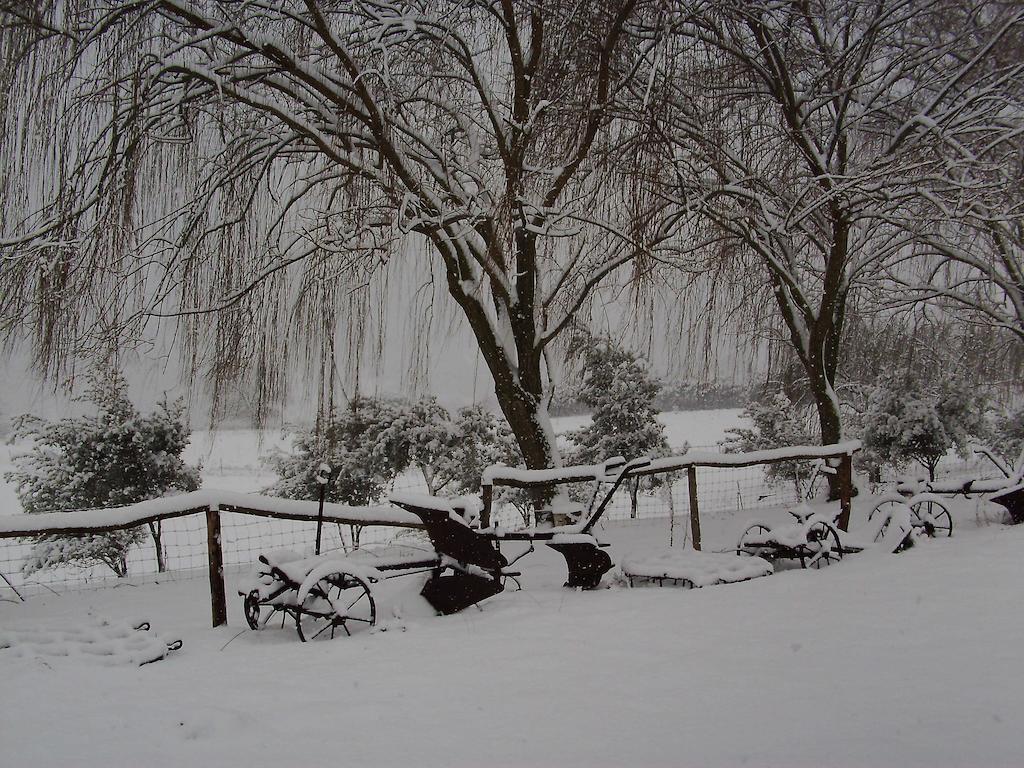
(690, 569)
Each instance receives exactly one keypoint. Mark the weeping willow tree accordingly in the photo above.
(245, 172)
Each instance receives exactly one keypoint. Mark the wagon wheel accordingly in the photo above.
(824, 539)
(885, 507)
(932, 516)
(753, 531)
(252, 609)
(339, 600)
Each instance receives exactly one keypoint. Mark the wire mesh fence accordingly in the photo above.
(244, 536)
(183, 545)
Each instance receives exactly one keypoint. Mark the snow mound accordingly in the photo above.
(698, 569)
(108, 643)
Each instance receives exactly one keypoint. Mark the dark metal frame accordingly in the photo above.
(252, 603)
(469, 566)
(478, 566)
(805, 553)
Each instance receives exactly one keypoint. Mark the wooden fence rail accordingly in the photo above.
(84, 522)
(212, 504)
(838, 455)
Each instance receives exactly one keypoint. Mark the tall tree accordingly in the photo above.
(969, 227)
(802, 133)
(244, 164)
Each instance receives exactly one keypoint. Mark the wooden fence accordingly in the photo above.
(839, 455)
(211, 504)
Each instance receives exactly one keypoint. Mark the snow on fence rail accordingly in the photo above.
(841, 454)
(210, 503)
(169, 507)
(244, 525)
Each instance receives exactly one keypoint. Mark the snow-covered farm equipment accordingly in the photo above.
(325, 593)
(815, 540)
(812, 539)
(929, 513)
(926, 497)
(330, 593)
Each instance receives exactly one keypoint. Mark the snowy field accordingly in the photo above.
(900, 660)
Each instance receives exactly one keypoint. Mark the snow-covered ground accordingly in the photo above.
(908, 660)
(902, 660)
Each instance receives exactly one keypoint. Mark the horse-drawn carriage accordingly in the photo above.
(326, 594)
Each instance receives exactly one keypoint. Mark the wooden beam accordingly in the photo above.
(80, 530)
(845, 472)
(691, 476)
(218, 601)
(328, 517)
(487, 497)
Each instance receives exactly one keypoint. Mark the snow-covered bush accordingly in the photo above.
(1007, 435)
(362, 466)
(450, 452)
(621, 392)
(483, 439)
(908, 419)
(113, 458)
(777, 423)
(373, 440)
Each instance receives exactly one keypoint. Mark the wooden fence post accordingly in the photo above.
(486, 496)
(691, 475)
(218, 602)
(845, 490)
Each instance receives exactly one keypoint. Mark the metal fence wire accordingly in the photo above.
(722, 491)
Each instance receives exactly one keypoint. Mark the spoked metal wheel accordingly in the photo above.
(337, 604)
(823, 542)
(754, 532)
(931, 515)
(885, 508)
(252, 609)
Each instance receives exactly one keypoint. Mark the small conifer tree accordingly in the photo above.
(110, 459)
(621, 392)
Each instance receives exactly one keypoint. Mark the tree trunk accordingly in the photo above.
(815, 338)
(829, 420)
(156, 533)
(519, 383)
(527, 415)
(634, 491)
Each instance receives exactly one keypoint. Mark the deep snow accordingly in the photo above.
(883, 660)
